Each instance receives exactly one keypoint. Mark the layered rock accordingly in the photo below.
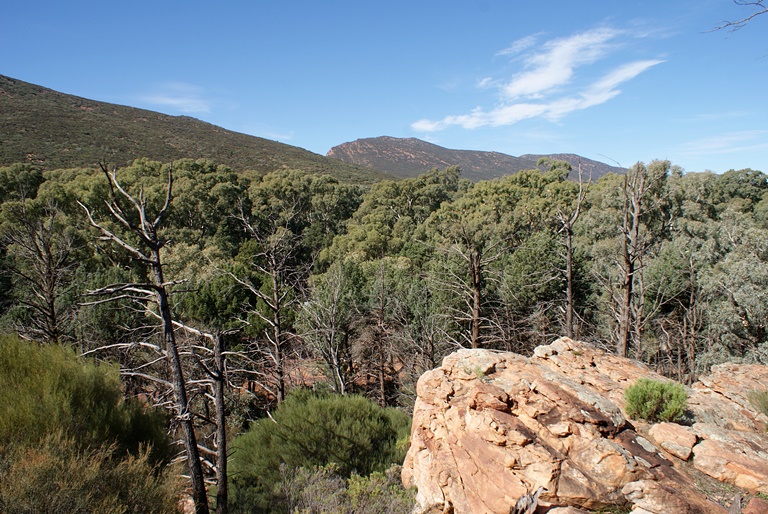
(490, 427)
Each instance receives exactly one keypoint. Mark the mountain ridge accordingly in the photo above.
(45, 127)
(409, 157)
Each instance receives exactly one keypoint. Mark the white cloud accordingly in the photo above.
(186, 98)
(486, 82)
(520, 45)
(728, 142)
(597, 93)
(555, 66)
(545, 86)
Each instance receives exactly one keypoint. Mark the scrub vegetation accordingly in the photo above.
(244, 290)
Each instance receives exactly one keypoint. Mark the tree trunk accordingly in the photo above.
(476, 278)
(569, 282)
(625, 309)
(199, 495)
(220, 380)
(279, 354)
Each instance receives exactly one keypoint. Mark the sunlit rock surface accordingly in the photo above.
(490, 427)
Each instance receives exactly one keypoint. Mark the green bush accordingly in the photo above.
(321, 490)
(759, 400)
(70, 442)
(653, 400)
(46, 389)
(313, 431)
(59, 476)
(379, 493)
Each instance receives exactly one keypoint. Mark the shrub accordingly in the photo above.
(45, 389)
(380, 493)
(70, 442)
(320, 490)
(59, 476)
(313, 431)
(653, 400)
(759, 400)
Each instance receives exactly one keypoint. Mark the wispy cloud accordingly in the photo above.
(728, 142)
(556, 64)
(544, 87)
(520, 45)
(186, 98)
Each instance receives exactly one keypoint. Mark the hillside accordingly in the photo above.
(409, 157)
(56, 130)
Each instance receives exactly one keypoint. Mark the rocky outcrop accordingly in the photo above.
(490, 427)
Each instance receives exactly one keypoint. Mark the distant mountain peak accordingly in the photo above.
(410, 157)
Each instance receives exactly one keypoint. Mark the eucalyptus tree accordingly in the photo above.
(378, 350)
(329, 320)
(470, 234)
(19, 181)
(388, 217)
(569, 200)
(736, 288)
(284, 216)
(41, 238)
(674, 297)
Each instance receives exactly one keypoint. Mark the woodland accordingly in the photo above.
(223, 316)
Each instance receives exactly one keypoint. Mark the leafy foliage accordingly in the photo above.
(653, 400)
(307, 430)
(759, 400)
(322, 489)
(70, 443)
(60, 476)
(47, 389)
(305, 272)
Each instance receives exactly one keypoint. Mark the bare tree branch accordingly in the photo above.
(734, 25)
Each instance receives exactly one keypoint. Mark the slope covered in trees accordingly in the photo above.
(55, 130)
(273, 282)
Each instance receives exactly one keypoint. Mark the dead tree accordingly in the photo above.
(216, 373)
(567, 220)
(759, 8)
(275, 260)
(155, 290)
(641, 199)
(43, 262)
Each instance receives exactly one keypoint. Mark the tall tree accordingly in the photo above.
(567, 209)
(475, 230)
(636, 204)
(143, 240)
(42, 249)
(328, 320)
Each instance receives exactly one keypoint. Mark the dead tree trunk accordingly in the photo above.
(567, 221)
(219, 386)
(148, 253)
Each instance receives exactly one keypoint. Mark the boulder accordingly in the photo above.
(756, 506)
(676, 439)
(490, 427)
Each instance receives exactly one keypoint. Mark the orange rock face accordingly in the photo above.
(490, 427)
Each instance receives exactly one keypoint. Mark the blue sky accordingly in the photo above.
(613, 81)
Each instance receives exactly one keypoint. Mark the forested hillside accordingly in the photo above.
(219, 293)
(55, 130)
